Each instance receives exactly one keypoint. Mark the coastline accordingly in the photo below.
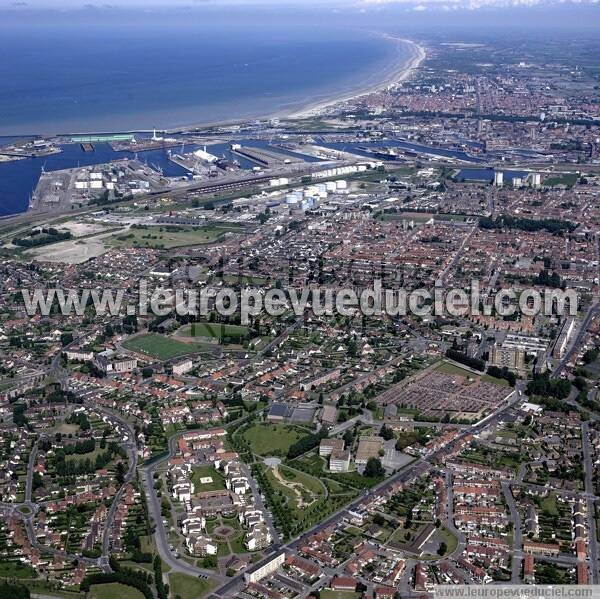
(315, 106)
(390, 74)
(408, 57)
(397, 76)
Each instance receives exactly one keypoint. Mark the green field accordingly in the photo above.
(92, 455)
(272, 439)
(301, 491)
(568, 179)
(15, 569)
(244, 279)
(159, 346)
(218, 481)
(447, 537)
(449, 368)
(4, 385)
(296, 476)
(329, 594)
(416, 217)
(112, 590)
(188, 587)
(171, 237)
(68, 429)
(406, 535)
(214, 330)
(549, 505)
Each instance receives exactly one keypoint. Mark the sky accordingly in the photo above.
(367, 5)
(431, 14)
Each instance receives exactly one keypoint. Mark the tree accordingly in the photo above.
(386, 432)
(348, 437)
(120, 475)
(15, 591)
(379, 519)
(374, 469)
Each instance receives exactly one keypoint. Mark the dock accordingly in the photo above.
(261, 156)
(87, 147)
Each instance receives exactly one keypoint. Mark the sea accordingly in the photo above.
(65, 79)
(93, 79)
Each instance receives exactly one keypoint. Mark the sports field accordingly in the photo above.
(160, 347)
(214, 330)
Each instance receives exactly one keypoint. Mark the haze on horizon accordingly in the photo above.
(364, 5)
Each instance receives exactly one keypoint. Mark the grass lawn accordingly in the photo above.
(218, 480)
(244, 279)
(449, 368)
(300, 493)
(4, 385)
(329, 594)
(170, 237)
(272, 439)
(159, 346)
(47, 589)
(313, 460)
(68, 429)
(114, 589)
(214, 330)
(76, 457)
(16, 570)
(295, 476)
(400, 534)
(447, 537)
(211, 525)
(568, 179)
(188, 587)
(549, 506)
(237, 544)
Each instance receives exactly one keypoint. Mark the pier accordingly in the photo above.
(261, 156)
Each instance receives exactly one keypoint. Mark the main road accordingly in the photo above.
(409, 473)
(588, 464)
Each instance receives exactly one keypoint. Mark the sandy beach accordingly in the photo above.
(393, 73)
(396, 74)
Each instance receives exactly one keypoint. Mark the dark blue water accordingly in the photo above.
(395, 143)
(105, 78)
(19, 178)
(59, 79)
